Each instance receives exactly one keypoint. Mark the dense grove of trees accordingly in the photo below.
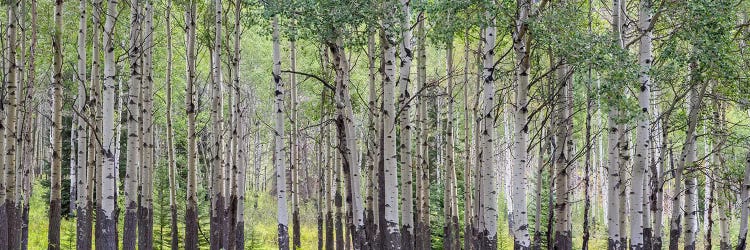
(395, 124)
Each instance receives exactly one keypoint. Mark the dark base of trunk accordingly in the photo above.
(191, 228)
(14, 234)
(468, 232)
(340, 230)
(83, 230)
(129, 228)
(563, 240)
(296, 232)
(674, 238)
(320, 230)
(392, 239)
(407, 238)
(486, 241)
(740, 243)
(239, 234)
(536, 242)
(647, 239)
(175, 242)
(231, 223)
(359, 238)
(3, 226)
(613, 244)
(283, 237)
(54, 225)
(329, 231)
(145, 228)
(108, 231)
(217, 223)
(656, 243)
(25, 228)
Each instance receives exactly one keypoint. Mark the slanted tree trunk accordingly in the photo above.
(53, 236)
(348, 143)
(518, 174)
(27, 134)
(404, 113)
(145, 208)
(282, 217)
(191, 210)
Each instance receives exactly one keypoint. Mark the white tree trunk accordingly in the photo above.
(643, 132)
(392, 234)
(279, 154)
(521, 131)
(488, 187)
(132, 171)
(109, 190)
(405, 148)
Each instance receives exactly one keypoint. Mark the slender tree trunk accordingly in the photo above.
(83, 240)
(145, 209)
(488, 189)
(217, 120)
(109, 190)
(563, 160)
(27, 134)
(423, 232)
(191, 210)
(372, 145)
(392, 238)
(404, 113)
(338, 199)
(744, 207)
(452, 234)
(643, 132)
(241, 138)
(132, 171)
(348, 143)
(172, 167)
(518, 173)
(468, 152)
(11, 86)
(57, 105)
(294, 146)
(587, 167)
(283, 218)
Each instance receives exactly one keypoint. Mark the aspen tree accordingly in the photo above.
(83, 240)
(488, 188)
(405, 149)
(390, 175)
(217, 125)
(518, 173)
(172, 167)
(11, 86)
(191, 210)
(642, 131)
(109, 190)
(53, 236)
(282, 216)
(145, 209)
(132, 171)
